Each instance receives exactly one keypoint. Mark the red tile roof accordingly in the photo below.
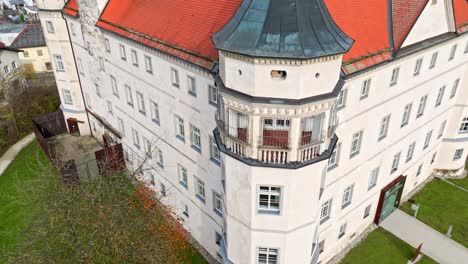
(404, 16)
(461, 15)
(71, 8)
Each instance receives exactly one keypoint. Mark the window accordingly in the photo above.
(394, 79)
(452, 52)
(195, 138)
(59, 63)
(115, 89)
(238, 124)
(217, 203)
(109, 108)
(409, 154)
(50, 27)
(218, 238)
(72, 29)
(385, 123)
(48, 66)
(341, 100)
(162, 188)
(154, 112)
(267, 255)
(342, 231)
(269, 199)
(121, 126)
(464, 125)
(200, 189)
(26, 54)
(180, 128)
(434, 60)
(417, 67)
(334, 157)
(6, 69)
(101, 64)
(40, 53)
(186, 212)
(80, 66)
(440, 96)
(347, 196)
(148, 64)
(373, 178)
(175, 77)
(183, 176)
(442, 129)
(213, 95)
(67, 96)
(123, 54)
(419, 170)
(395, 162)
(321, 246)
(136, 138)
(367, 211)
(458, 154)
(129, 95)
(192, 88)
(325, 211)
(141, 103)
(406, 115)
(422, 106)
(214, 151)
(356, 143)
(134, 58)
(453, 92)
(433, 157)
(14, 65)
(147, 148)
(428, 139)
(107, 45)
(365, 88)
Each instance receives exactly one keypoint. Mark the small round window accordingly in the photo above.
(278, 75)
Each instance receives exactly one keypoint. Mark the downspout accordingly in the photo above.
(390, 27)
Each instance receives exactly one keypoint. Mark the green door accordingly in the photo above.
(388, 206)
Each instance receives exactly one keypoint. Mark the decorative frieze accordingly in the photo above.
(275, 61)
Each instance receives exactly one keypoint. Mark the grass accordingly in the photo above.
(383, 248)
(441, 205)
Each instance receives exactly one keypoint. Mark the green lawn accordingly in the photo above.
(383, 248)
(441, 205)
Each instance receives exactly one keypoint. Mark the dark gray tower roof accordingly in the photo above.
(294, 29)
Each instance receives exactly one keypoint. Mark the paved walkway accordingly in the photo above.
(10, 155)
(435, 244)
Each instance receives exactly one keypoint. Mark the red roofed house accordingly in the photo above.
(284, 128)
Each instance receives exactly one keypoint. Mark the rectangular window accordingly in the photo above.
(109, 108)
(213, 95)
(26, 54)
(453, 92)
(154, 112)
(442, 129)
(115, 89)
(383, 131)
(162, 188)
(342, 231)
(200, 189)
(422, 106)
(269, 199)
(341, 100)
(321, 246)
(440, 96)
(40, 53)
(123, 54)
(136, 138)
(334, 159)
(67, 96)
(267, 255)
(192, 88)
(395, 162)
(134, 58)
(217, 203)
(356, 143)
(452, 52)
(147, 147)
(365, 88)
(121, 126)
(107, 45)
(218, 238)
(464, 125)
(394, 79)
(59, 63)
(14, 65)
(175, 77)
(466, 48)
(6, 69)
(417, 67)
(427, 141)
(347, 196)
(373, 178)
(406, 115)
(195, 138)
(180, 128)
(159, 158)
(419, 170)
(98, 90)
(458, 154)
(367, 211)
(183, 176)
(325, 211)
(433, 157)
(72, 29)
(141, 103)
(214, 151)
(434, 60)
(80, 66)
(101, 64)
(148, 64)
(410, 153)
(186, 211)
(50, 27)
(129, 95)
(238, 124)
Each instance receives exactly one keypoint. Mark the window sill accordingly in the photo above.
(130, 104)
(324, 219)
(201, 198)
(150, 72)
(136, 65)
(218, 212)
(181, 138)
(142, 112)
(403, 125)
(192, 93)
(160, 165)
(196, 148)
(371, 187)
(137, 146)
(393, 84)
(268, 212)
(184, 184)
(215, 161)
(176, 85)
(332, 167)
(156, 121)
(345, 205)
(186, 214)
(340, 107)
(352, 155)
(213, 104)
(364, 97)
(341, 235)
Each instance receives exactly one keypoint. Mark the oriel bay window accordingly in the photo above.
(238, 124)
(311, 129)
(275, 132)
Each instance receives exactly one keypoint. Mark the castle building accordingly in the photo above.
(278, 130)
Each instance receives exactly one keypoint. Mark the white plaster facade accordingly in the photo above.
(296, 230)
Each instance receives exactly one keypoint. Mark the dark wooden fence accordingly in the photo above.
(48, 126)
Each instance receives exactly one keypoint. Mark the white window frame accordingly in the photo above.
(356, 141)
(367, 211)
(195, 137)
(148, 64)
(72, 29)
(59, 64)
(159, 158)
(374, 176)
(325, 211)
(67, 97)
(162, 189)
(458, 154)
(270, 192)
(267, 255)
(453, 50)
(365, 88)
(464, 125)
(129, 95)
(154, 112)
(109, 108)
(384, 125)
(276, 123)
(341, 99)
(200, 189)
(121, 125)
(395, 162)
(418, 172)
(50, 27)
(342, 231)
(6, 69)
(115, 88)
(192, 86)
(422, 106)
(183, 175)
(410, 152)
(334, 159)
(440, 96)
(434, 57)
(217, 203)
(213, 94)
(136, 138)
(406, 115)
(134, 57)
(347, 196)
(180, 128)
(141, 103)
(418, 66)
(442, 129)
(214, 151)
(175, 78)
(427, 141)
(453, 92)
(394, 77)
(107, 45)
(123, 53)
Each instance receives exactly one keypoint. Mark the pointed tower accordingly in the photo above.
(279, 75)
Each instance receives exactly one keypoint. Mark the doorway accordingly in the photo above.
(73, 126)
(390, 197)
